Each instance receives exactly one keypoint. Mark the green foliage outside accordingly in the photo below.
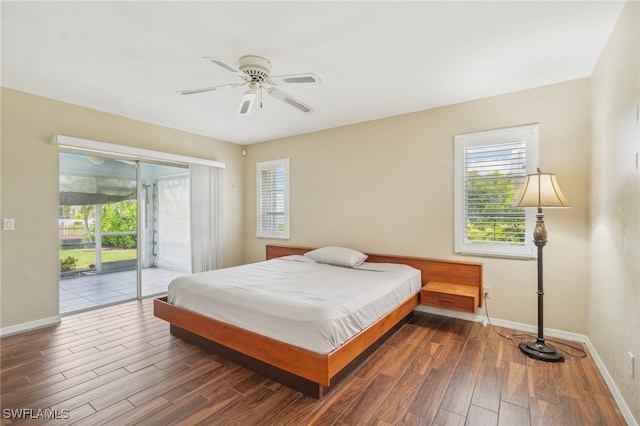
(118, 217)
(490, 216)
(67, 263)
(83, 258)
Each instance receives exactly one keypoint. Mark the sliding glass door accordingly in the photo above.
(123, 229)
(165, 226)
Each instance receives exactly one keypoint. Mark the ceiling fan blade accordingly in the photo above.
(246, 103)
(222, 64)
(207, 89)
(192, 91)
(295, 79)
(290, 100)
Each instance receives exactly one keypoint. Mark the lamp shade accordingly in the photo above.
(541, 190)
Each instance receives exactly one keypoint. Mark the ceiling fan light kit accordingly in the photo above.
(255, 71)
(246, 103)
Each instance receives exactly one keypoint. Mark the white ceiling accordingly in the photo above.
(376, 59)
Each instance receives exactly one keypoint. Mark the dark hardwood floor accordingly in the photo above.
(119, 365)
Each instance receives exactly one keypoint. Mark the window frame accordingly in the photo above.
(273, 165)
(526, 133)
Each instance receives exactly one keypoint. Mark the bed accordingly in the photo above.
(299, 346)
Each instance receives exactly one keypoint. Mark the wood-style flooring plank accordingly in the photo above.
(398, 363)
(514, 385)
(541, 382)
(376, 362)
(109, 413)
(447, 418)
(593, 379)
(481, 417)
(427, 400)
(267, 411)
(457, 398)
(393, 408)
(368, 401)
(449, 355)
(582, 411)
(544, 413)
(486, 392)
(425, 358)
(132, 384)
(327, 411)
(512, 414)
(240, 409)
(139, 413)
(609, 409)
(120, 365)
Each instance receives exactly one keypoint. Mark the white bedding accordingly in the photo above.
(296, 300)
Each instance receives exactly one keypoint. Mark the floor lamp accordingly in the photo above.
(540, 190)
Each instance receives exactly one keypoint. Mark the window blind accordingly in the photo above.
(272, 183)
(489, 169)
(493, 175)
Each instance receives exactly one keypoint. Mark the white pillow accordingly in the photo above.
(297, 258)
(338, 256)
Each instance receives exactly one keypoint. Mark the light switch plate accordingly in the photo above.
(9, 224)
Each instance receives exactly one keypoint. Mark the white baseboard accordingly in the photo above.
(26, 326)
(560, 334)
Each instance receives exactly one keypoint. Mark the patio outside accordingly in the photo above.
(89, 291)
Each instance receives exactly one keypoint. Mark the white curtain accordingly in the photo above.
(206, 218)
(173, 249)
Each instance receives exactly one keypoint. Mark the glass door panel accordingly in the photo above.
(117, 248)
(165, 226)
(97, 231)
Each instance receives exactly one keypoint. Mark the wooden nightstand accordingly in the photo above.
(453, 285)
(450, 296)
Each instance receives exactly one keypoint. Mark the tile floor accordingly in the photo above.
(90, 291)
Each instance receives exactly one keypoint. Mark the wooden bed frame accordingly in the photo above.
(309, 372)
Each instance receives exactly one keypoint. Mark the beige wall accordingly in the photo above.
(29, 188)
(386, 186)
(614, 272)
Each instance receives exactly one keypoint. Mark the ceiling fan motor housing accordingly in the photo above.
(256, 67)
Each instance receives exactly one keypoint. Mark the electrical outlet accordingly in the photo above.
(630, 359)
(487, 292)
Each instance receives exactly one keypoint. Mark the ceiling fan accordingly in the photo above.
(254, 71)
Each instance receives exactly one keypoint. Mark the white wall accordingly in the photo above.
(614, 261)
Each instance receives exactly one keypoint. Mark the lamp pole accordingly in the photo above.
(540, 349)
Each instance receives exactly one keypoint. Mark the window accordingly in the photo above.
(273, 198)
(489, 170)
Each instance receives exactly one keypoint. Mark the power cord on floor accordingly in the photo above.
(524, 336)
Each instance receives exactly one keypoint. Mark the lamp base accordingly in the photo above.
(541, 351)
